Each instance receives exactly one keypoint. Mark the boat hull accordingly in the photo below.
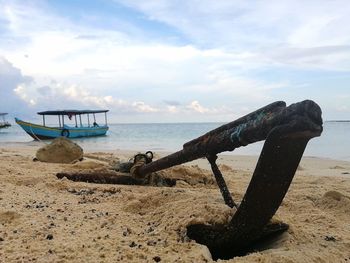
(39, 132)
(4, 125)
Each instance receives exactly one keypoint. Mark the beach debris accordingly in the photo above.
(119, 173)
(138, 159)
(157, 259)
(106, 176)
(60, 150)
(330, 238)
(81, 191)
(181, 176)
(123, 167)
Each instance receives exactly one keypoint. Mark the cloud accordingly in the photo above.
(45, 90)
(60, 96)
(171, 102)
(140, 106)
(220, 22)
(11, 98)
(172, 109)
(240, 34)
(230, 57)
(195, 106)
(319, 57)
(270, 31)
(21, 93)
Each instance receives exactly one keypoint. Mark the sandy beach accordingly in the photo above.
(45, 219)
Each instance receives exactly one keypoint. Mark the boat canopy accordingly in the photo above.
(70, 112)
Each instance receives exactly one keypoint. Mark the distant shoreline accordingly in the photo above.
(338, 121)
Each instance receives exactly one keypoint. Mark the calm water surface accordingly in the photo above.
(334, 142)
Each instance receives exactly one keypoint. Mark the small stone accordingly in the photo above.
(330, 238)
(151, 229)
(49, 236)
(151, 243)
(132, 244)
(157, 259)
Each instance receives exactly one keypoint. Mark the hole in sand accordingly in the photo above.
(228, 245)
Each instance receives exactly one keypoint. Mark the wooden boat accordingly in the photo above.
(3, 122)
(40, 132)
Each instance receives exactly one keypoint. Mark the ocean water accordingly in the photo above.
(334, 142)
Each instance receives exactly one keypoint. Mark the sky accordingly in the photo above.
(172, 60)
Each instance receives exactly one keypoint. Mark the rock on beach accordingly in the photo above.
(61, 150)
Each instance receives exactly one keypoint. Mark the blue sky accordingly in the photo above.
(173, 61)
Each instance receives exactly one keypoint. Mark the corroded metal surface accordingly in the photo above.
(273, 174)
(249, 129)
(287, 131)
(221, 181)
(304, 117)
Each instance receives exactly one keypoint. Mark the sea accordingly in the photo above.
(334, 143)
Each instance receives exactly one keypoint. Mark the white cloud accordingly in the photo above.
(227, 85)
(140, 106)
(10, 79)
(56, 95)
(195, 106)
(269, 30)
(224, 43)
(172, 109)
(21, 93)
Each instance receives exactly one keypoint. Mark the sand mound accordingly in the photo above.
(171, 208)
(61, 150)
(225, 168)
(336, 201)
(87, 165)
(8, 217)
(337, 167)
(109, 158)
(192, 175)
